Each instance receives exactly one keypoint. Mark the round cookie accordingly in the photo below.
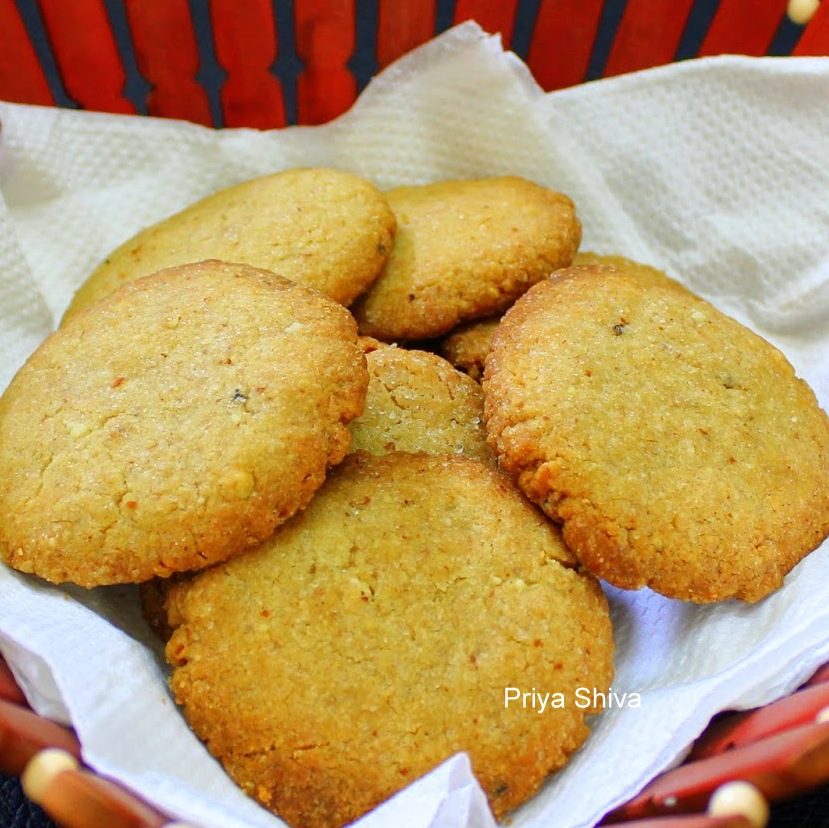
(676, 447)
(465, 250)
(323, 228)
(417, 402)
(173, 424)
(373, 636)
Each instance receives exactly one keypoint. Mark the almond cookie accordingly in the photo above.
(374, 634)
(677, 448)
(465, 250)
(467, 347)
(586, 257)
(173, 424)
(417, 402)
(322, 228)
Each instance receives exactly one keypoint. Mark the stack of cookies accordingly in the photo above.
(369, 455)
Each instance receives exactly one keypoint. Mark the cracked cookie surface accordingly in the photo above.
(677, 448)
(174, 424)
(372, 636)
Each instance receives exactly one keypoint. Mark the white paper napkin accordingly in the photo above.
(713, 169)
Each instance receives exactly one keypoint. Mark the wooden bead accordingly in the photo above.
(77, 798)
(802, 11)
(43, 768)
(740, 798)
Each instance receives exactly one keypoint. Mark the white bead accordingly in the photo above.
(822, 715)
(802, 11)
(42, 769)
(740, 798)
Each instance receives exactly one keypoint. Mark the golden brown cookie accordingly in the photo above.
(586, 257)
(465, 250)
(416, 401)
(677, 448)
(174, 424)
(323, 228)
(468, 345)
(375, 634)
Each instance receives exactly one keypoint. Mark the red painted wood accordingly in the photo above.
(80, 798)
(815, 37)
(21, 78)
(86, 54)
(737, 729)
(780, 766)
(565, 31)
(401, 26)
(692, 821)
(743, 27)
(494, 16)
(244, 36)
(325, 37)
(648, 35)
(820, 675)
(9, 691)
(167, 55)
(23, 734)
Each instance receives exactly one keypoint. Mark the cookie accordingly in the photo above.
(173, 424)
(586, 257)
(465, 250)
(373, 636)
(417, 402)
(468, 345)
(677, 448)
(322, 228)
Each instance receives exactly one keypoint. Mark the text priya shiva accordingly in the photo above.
(583, 697)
